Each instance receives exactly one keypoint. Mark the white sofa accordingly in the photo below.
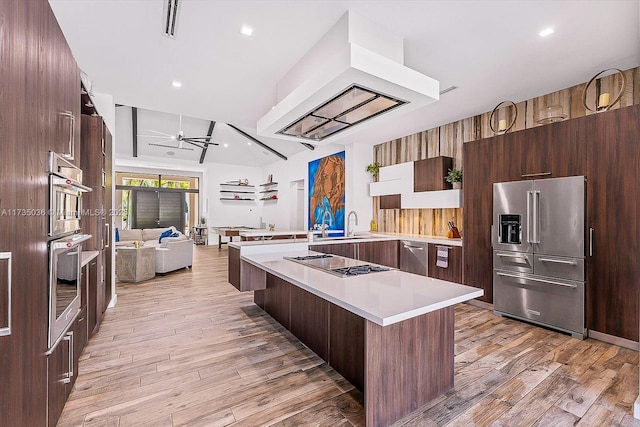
(174, 253)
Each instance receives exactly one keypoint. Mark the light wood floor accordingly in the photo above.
(188, 349)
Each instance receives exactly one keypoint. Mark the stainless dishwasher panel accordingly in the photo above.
(520, 262)
(413, 257)
(555, 303)
(559, 267)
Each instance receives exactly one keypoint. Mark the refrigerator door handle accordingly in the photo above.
(557, 261)
(533, 279)
(529, 217)
(536, 216)
(590, 241)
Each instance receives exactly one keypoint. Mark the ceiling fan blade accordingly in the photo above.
(198, 137)
(160, 133)
(171, 146)
(191, 140)
(154, 136)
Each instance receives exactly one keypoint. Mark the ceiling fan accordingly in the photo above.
(198, 141)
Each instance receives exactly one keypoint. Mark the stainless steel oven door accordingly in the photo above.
(65, 204)
(64, 284)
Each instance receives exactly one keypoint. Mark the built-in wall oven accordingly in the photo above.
(65, 256)
(65, 245)
(65, 196)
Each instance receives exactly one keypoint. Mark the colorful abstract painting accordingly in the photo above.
(326, 193)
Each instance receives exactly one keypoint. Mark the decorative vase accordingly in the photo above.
(457, 185)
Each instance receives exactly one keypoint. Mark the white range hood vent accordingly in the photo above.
(352, 78)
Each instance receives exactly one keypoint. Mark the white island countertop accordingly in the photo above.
(384, 298)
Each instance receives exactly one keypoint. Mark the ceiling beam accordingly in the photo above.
(134, 120)
(209, 133)
(263, 145)
(309, 146)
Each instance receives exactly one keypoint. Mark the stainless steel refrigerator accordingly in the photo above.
(538, 237)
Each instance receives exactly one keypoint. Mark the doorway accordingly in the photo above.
(296, 214)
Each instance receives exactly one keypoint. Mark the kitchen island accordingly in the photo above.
(389, 333)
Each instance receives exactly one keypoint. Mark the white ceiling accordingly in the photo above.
(491, 50)
(239, 150)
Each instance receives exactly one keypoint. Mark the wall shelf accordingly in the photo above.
(237, 199)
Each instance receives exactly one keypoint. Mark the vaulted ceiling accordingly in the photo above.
(491, 50)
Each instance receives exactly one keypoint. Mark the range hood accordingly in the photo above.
(353, 78)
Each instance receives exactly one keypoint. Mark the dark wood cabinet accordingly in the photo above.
(613, 203)
(391, 201)
(310, 320)
(277, 300)
(96, 166)
(346, 344)
(347, 250)
(453, 271)
(478, 209)
(429, 174)
(381, 252)
(108, 216)
(26, 138)
(92, 297)
(60, 368)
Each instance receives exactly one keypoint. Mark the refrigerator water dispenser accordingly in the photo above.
(510, 229)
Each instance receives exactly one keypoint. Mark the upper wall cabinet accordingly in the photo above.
(428, 174)
(418, 185)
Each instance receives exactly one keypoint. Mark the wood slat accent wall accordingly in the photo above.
(447, 140)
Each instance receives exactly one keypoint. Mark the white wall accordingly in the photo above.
(357, 157)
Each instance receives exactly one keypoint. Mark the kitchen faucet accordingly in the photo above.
(324, 224)
(349, 231)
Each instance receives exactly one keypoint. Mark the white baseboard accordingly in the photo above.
(113, 301)
(636, 409)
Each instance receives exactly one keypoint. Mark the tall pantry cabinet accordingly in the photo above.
(96, 166)
(39, 107)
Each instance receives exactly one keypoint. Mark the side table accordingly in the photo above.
(200, 235)
(135, 264)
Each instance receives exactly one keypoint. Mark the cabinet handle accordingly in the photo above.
(420, 248)
(590, 241)
(6, 331)
(510, 256)
(108, 234)
(69, 338)
(72, 136)
(558, 261)
(527, 175)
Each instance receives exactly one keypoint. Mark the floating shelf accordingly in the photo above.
(238, 192)
(269, 198)
(239, 199)
(268, 184)
(238, 185)
(269, 191)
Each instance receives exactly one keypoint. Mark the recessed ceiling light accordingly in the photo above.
(171, 153)
(225, 145)
(176, 83)
(546, 32)
(246, 30)
(248, 143)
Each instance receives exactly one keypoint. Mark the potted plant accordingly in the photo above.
(374, 169)
(454, 177)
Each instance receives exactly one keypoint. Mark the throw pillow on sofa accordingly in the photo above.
(165, 234)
